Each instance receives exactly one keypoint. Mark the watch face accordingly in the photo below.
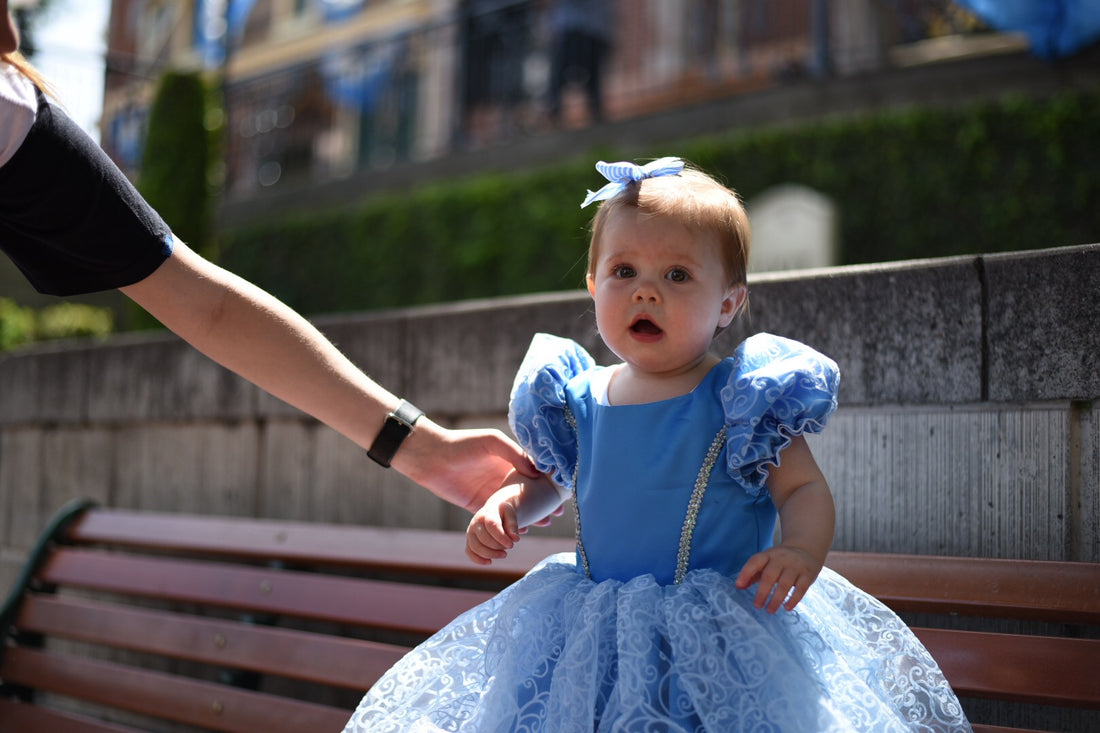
(395, 423)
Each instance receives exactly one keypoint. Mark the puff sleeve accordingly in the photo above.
(536, 412)
(777, 389)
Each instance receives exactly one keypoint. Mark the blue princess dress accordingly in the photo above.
(642, 629)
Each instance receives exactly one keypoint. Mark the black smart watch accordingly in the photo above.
(397, 427)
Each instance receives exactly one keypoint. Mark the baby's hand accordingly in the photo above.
(783, 573)
(494, 528)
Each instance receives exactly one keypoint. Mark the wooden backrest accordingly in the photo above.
(1061, 592)
(239, 624)
(1022, 589)
(150, 614)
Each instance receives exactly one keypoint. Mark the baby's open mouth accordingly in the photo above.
(644, 325)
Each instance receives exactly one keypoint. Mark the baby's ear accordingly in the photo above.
(732, 304)
(591, 282)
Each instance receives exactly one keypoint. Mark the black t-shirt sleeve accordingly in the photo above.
(69, 219)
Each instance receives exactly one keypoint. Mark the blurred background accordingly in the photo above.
(352, 155)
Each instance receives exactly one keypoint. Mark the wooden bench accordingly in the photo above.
(123, 620)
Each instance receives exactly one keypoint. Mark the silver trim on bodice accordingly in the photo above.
(694, 504)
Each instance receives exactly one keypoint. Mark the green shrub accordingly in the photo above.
(20, 325)
(176, 175)
(73, 320)
(16, 324)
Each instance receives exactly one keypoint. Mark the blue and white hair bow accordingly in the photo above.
(624, 173)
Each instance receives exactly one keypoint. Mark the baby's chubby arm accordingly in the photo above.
(497, 526)
(806, 518)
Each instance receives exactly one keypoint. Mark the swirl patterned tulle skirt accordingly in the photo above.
(559, 652)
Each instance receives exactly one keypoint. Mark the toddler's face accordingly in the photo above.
(660, 292)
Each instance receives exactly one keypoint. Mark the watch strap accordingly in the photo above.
(397, 427)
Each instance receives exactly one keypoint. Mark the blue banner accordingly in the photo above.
(218, 23)
(357, 78)
(1055, 28)
(333, 11)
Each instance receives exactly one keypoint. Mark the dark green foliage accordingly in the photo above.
(490, 235)
(1015, 174)
(175, 175)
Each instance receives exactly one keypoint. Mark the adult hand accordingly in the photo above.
(464, 467)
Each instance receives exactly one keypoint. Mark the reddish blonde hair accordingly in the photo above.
(24, 67)
(694, 199)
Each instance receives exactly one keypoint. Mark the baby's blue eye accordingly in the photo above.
(623, 271)
(677, 275)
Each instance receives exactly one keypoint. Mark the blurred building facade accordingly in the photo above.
(318, 90)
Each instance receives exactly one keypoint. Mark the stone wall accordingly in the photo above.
(968, 423)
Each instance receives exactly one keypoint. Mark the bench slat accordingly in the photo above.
(1038, 669)
(397, 606)
(1064, 592)
(167, 696)
(17, 717)
(349, 663)
(380, 548)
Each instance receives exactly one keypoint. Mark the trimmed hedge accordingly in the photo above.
(1019, 173)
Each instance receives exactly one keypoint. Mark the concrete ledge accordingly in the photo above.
(994, 328)
(1043, 328)
(905, 333)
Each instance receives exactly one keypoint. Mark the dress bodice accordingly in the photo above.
(640, 465)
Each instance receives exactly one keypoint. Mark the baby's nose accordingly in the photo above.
(646, 292)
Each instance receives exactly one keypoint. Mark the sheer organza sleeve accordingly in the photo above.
(537, 410)
(777, 389)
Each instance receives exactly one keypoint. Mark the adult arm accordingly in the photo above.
(9, 35)
(253, 334)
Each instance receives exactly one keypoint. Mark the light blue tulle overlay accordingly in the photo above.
(559, 652)
(617, 646)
